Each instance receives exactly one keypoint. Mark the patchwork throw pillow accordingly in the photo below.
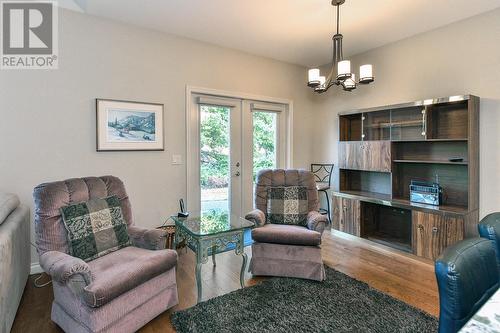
(287, 205)
(95, 228)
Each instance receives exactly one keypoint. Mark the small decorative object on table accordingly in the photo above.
(209, 233)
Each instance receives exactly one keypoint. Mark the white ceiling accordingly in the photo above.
(295, 31)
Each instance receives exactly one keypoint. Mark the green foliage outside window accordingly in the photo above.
(214, 144)
(264, 141)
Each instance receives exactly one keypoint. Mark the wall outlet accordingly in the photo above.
(176, 159)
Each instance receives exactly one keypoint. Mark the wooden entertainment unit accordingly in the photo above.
(382, 149)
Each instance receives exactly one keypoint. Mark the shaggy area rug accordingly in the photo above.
(338, 304)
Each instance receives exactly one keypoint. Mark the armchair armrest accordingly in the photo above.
(150, 239)
(256, 216)
(63, 268)
(316, 221)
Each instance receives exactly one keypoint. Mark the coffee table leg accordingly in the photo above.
(214, 248)
(198, 280)
(243, 267)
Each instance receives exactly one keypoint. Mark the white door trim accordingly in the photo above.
(190, 90)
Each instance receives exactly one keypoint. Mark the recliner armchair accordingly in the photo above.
(287, 250)
(119, 292)
(467, 276)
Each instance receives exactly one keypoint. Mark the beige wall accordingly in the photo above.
(47, 118)
(462, 58)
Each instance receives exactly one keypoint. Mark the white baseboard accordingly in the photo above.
(35, 268)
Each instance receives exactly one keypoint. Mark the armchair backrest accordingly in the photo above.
(279, 177)
(51, 234)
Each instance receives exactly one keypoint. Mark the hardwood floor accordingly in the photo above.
(405, 277)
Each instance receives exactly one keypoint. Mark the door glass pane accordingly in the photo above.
(265, 141)
(214, 158)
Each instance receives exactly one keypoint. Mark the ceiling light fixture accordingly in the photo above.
(344, 77)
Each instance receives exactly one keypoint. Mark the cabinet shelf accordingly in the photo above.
(391, 241)
(433, 140)
(431, 162)
(388, 200)
(410, 123)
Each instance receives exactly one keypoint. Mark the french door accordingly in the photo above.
(229, 140)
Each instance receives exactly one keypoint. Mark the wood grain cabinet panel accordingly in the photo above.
(346, 215)
(365, 155)
(432, 233)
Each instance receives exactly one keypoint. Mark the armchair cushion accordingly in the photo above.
(95, 227)
(287, 205)
(123, 270)
(150, 239)
(286, 234)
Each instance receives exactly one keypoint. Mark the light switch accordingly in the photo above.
(176, 159)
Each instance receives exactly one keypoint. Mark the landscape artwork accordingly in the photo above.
(123, 125)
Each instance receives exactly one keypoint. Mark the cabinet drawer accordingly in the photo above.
(432, 233)
(365, 155)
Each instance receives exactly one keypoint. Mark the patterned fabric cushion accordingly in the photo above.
(95, 228)
(287, 205)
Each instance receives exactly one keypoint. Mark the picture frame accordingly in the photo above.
(129, 126)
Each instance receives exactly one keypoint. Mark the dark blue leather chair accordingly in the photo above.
(467, 276)
(489, 228)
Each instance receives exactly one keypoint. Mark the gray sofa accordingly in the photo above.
(287, 250)
(118, 292)
(14, 257)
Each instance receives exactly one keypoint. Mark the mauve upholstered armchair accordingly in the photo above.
(287, 250)
(119, 292)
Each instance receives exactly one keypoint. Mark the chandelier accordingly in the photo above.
(344, 77)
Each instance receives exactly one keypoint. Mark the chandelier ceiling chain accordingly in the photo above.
(344, 77)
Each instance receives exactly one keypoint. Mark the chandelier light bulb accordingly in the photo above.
(366, 74)
(321, 87)
(313, 77)
(344, 70)
(350, 83)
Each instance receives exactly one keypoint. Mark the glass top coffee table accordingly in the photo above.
(210, 233)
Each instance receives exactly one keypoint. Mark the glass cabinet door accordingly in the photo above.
(376, 125)
(408, 124)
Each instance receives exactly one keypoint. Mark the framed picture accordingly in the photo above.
(124, 125)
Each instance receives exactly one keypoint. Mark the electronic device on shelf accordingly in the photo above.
(425, 192)
(183, 212)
